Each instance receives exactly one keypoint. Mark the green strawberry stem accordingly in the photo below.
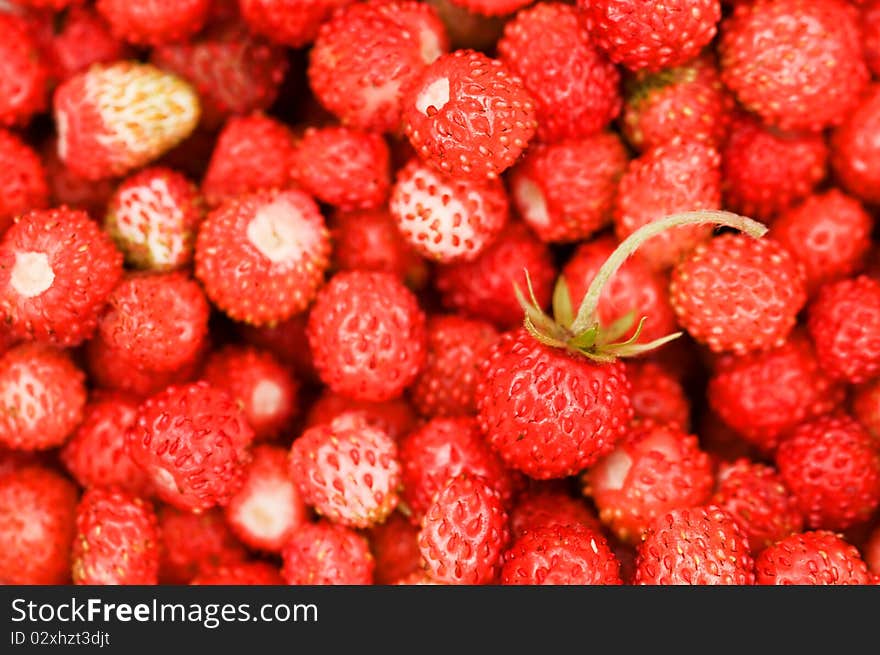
(582, 333)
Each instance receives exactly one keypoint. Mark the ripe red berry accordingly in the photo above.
(154, 23)
(811, 558)
(395, 548)
(870, 24)
(549, 506)
(865, 407)
(240, 573)
(69, 189)
(489, 7)
(24, 185)
(854, 155)
(81, 37)
(327, 554)
(23, 89)
(657, 395)
(192, 543)
(394, 417)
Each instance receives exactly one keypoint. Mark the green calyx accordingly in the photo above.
(581, 332)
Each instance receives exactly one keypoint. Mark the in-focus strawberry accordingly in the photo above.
(811, 558)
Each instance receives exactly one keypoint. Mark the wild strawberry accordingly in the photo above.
(648, 35)
(233, 71)
(154, 23)
(759, 501)
(854, 156)
(560, 555)
(447, 382)
(262, 257)
(395, 548)
(448, 120)
(259, 383)
(347, 470)
(158, 321)
(24, 186)
(695, 546)
(685, 102)
(114, 118)
(865, 407)
(655, 469)
(37, 525)
(240, 573)
(482, 288)
(23, 90)
(844, 323)
(367, 335)
(675, 177)
(81, 37)
(96, 455)
(811, 558)
(153, 217)
(870, 23)
(832, 467)
(343, 167)
(57, 269)
(268, 508)
(447, 219)
(66, 188)
(763, 395)
(574, 86)
(369, 240)
(634, 288)
(738, 294)
(765, 171)
(210, 440)
(116, 540)
(565, 191)
(549, 506)
(56, 5)
(442, 449)
(293, 23)
(768, 48)
(192, 543)
(394, 417)
(829, 233)
(872, 551)
(464, 532)
(327, 554)
(367, 54)
(42, 395)
(657, 395)
(490, 7)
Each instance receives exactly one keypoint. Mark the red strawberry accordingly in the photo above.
(293, 23)
(81, 37)
(722, 443)
(23, 90)
(482, 288)
(829, 233)
(367, 335)
(447, 382)
(549, 506)
(447, 219)
(738, 294)
(468, 116)
(854, 155)
(265, 389)
(464, 532)
(574, 86)
(870, 24)
(114, 118)
(56, 5)
(157, 321)
(284, 339)
(37, 525)
(116, 540)
(367, 54)
(759, 501)
(763, 395)
(560, 555)
(394, 417)
(649, 35)
(240, 573)
(262, 257)
(24, 185)
(768, 49)
(872, 552)
(468, 29)
(192, 442)
(765, 171)
(343, 167)
(153, 216)
(491, 7)
(695, 546)
(675, 177)
(547, 412)
(56, 271)
(42, 395)
(192, 543)
(327, 554)
(154, 23)
(251, 153)
(418, 577)
(395, 548)
(657, 395)
(442, 449)
(866, 407)
(811, 558)
(688, 101)
(96, 455)
(832, 467)
(565, 191)
(844, 323)
(268, 508)
(655, 469)
(72, 190)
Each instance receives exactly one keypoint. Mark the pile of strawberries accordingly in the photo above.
(439, 292)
